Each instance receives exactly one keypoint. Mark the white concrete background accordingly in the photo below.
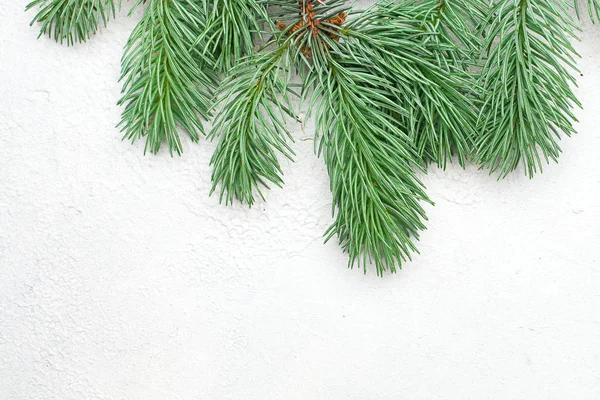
(121, 279)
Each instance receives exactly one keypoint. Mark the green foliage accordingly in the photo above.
(165, 86)
(369, 156)
(459, 22)
(232, 29)
(393, 88)
(403, 41)
(370, 162)
(530, 99)
(251, 126)
(255, 104)
(71, 21)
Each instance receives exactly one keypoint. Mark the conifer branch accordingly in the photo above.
(232, 29)
(165, 87)
(403, 40)
(460, 22)
(530, 100)
(71, 21)
(251, 126)
(395, 87)
(255, 103)
(370, 158)
(376, 194)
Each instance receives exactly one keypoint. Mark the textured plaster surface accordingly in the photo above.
(121, 279)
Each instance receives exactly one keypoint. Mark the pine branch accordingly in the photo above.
(392, 88)
(375, 191)
(527, 77)
(459, 22)
(405, 42)
(232, 28)
(369, 157)
(72, 21)
(165, 86)
(251, 126)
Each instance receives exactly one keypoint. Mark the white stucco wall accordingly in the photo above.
(121, 279)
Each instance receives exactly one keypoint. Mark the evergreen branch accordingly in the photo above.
(459, 22)
(165, 87)
(370, 162)
(527, 76)
(251, 126)
(72, 21)
(231, 30)
(403, 41)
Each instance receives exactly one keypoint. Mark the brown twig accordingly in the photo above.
(309, 18)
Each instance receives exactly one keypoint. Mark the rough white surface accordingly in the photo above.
(121, 279)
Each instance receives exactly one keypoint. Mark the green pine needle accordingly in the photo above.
(404, 41)
(376, 194)
(71, 21)
(251, 127)
(232, 29)
(459, 22)
(394, 87)
(370, 158)
(165, 86)
(530, 99)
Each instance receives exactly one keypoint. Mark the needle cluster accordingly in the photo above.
(394, 88)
